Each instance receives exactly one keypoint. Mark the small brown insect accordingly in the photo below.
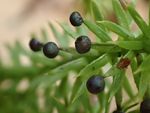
(123, 63)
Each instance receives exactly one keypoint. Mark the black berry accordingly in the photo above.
(145, 106)
(83, 44)
(35, 45)
(95, 84)
(76, 19)
(50, 50)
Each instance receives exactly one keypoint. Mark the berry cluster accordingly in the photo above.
(51, 50)
(95, 84)
(82, 43)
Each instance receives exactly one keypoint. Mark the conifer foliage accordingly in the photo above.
(85, 77)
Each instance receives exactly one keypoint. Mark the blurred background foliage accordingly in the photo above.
(32, 83)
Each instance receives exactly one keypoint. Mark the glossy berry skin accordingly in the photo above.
(50, 50)
(145, 106)
(95, 84)
(76, 19)
(35, 45)
(83, 44)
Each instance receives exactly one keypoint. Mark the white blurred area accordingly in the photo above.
(20, 17)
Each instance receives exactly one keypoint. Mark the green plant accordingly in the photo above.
(62, 81)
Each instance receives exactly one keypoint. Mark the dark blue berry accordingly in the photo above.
(145, 106)
(83, 44)
(76, 19)
(50, 50)
(95, 84)
(35, 45)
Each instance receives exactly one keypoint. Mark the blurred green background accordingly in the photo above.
(18, 20)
